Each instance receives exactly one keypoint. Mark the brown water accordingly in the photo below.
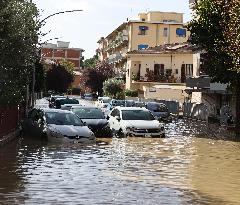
(180, 169)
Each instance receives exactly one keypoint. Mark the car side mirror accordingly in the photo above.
(107, 117)
(84, 123)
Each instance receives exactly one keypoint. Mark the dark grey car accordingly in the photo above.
(56, 126)
(95, 119)
(159, 110)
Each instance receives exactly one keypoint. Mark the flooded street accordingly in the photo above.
(180, 169)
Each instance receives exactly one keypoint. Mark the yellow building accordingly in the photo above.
(160, 72)
(151, 29)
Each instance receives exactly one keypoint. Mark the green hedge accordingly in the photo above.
(131, 93)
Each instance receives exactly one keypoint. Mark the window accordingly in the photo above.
(158, 69)
(189, 69)
(142, 46)
(180, 32)
(165, 32)
(143, 30)
(176, 71)
(143, 19)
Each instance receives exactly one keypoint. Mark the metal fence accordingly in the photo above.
(10, 117)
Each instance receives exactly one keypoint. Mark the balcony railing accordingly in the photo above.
(155, 78)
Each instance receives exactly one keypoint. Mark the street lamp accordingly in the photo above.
(41, 22)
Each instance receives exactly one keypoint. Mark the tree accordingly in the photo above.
(91, 62)
(40, 77)
(114, 88)
(19, 38)
(94, 77)
(215, 28)
(68, 65)
(58, 79)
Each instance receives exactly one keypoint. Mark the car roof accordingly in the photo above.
(131, 108)
(87, 107)
(55, 110)
(155, 103)
(71, 105)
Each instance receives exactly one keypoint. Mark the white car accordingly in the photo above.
(103, 102)
(135, 121)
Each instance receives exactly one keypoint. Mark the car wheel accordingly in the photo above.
(121, 134)
(162, 136)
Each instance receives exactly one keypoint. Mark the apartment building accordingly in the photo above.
(152, 29)
(160, 72)
(55, 52)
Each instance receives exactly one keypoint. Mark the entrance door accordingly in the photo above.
(183, 74)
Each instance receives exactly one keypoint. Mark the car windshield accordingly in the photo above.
(57, 118)
(157, 108)
(137, 115)
(88, 113)
(88, 95)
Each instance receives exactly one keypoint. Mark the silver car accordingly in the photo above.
(57, 126)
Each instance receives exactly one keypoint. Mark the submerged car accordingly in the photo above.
(69, 106)
(95, 119)
(135, 121)
(60, 102)
(159, 110)
(103, 102)
(57, 126)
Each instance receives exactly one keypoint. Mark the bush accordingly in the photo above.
(113, 87)
(131, 93)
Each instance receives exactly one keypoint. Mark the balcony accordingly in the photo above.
(115, 58)
(150, 77)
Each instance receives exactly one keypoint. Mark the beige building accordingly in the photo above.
(151, 29)
(160, 72)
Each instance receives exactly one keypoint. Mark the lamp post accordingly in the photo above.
(34, 71)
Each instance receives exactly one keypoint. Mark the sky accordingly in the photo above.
(98, 18)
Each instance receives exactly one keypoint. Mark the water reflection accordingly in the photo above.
(180, 169)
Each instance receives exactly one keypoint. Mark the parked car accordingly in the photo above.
(103, 102)
(159, 110)
(69, 106)
(113, 103)
(134, 121)
(53, 98)
(57, 126)
(139, 104)
(89, 96)
(95, 120)
(59, 102)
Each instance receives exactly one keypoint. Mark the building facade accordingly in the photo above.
(162, 68)
(151, 29)
(56, 52)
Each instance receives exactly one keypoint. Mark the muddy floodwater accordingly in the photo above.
(184, 168)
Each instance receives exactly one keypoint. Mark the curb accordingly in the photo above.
(10, 137)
